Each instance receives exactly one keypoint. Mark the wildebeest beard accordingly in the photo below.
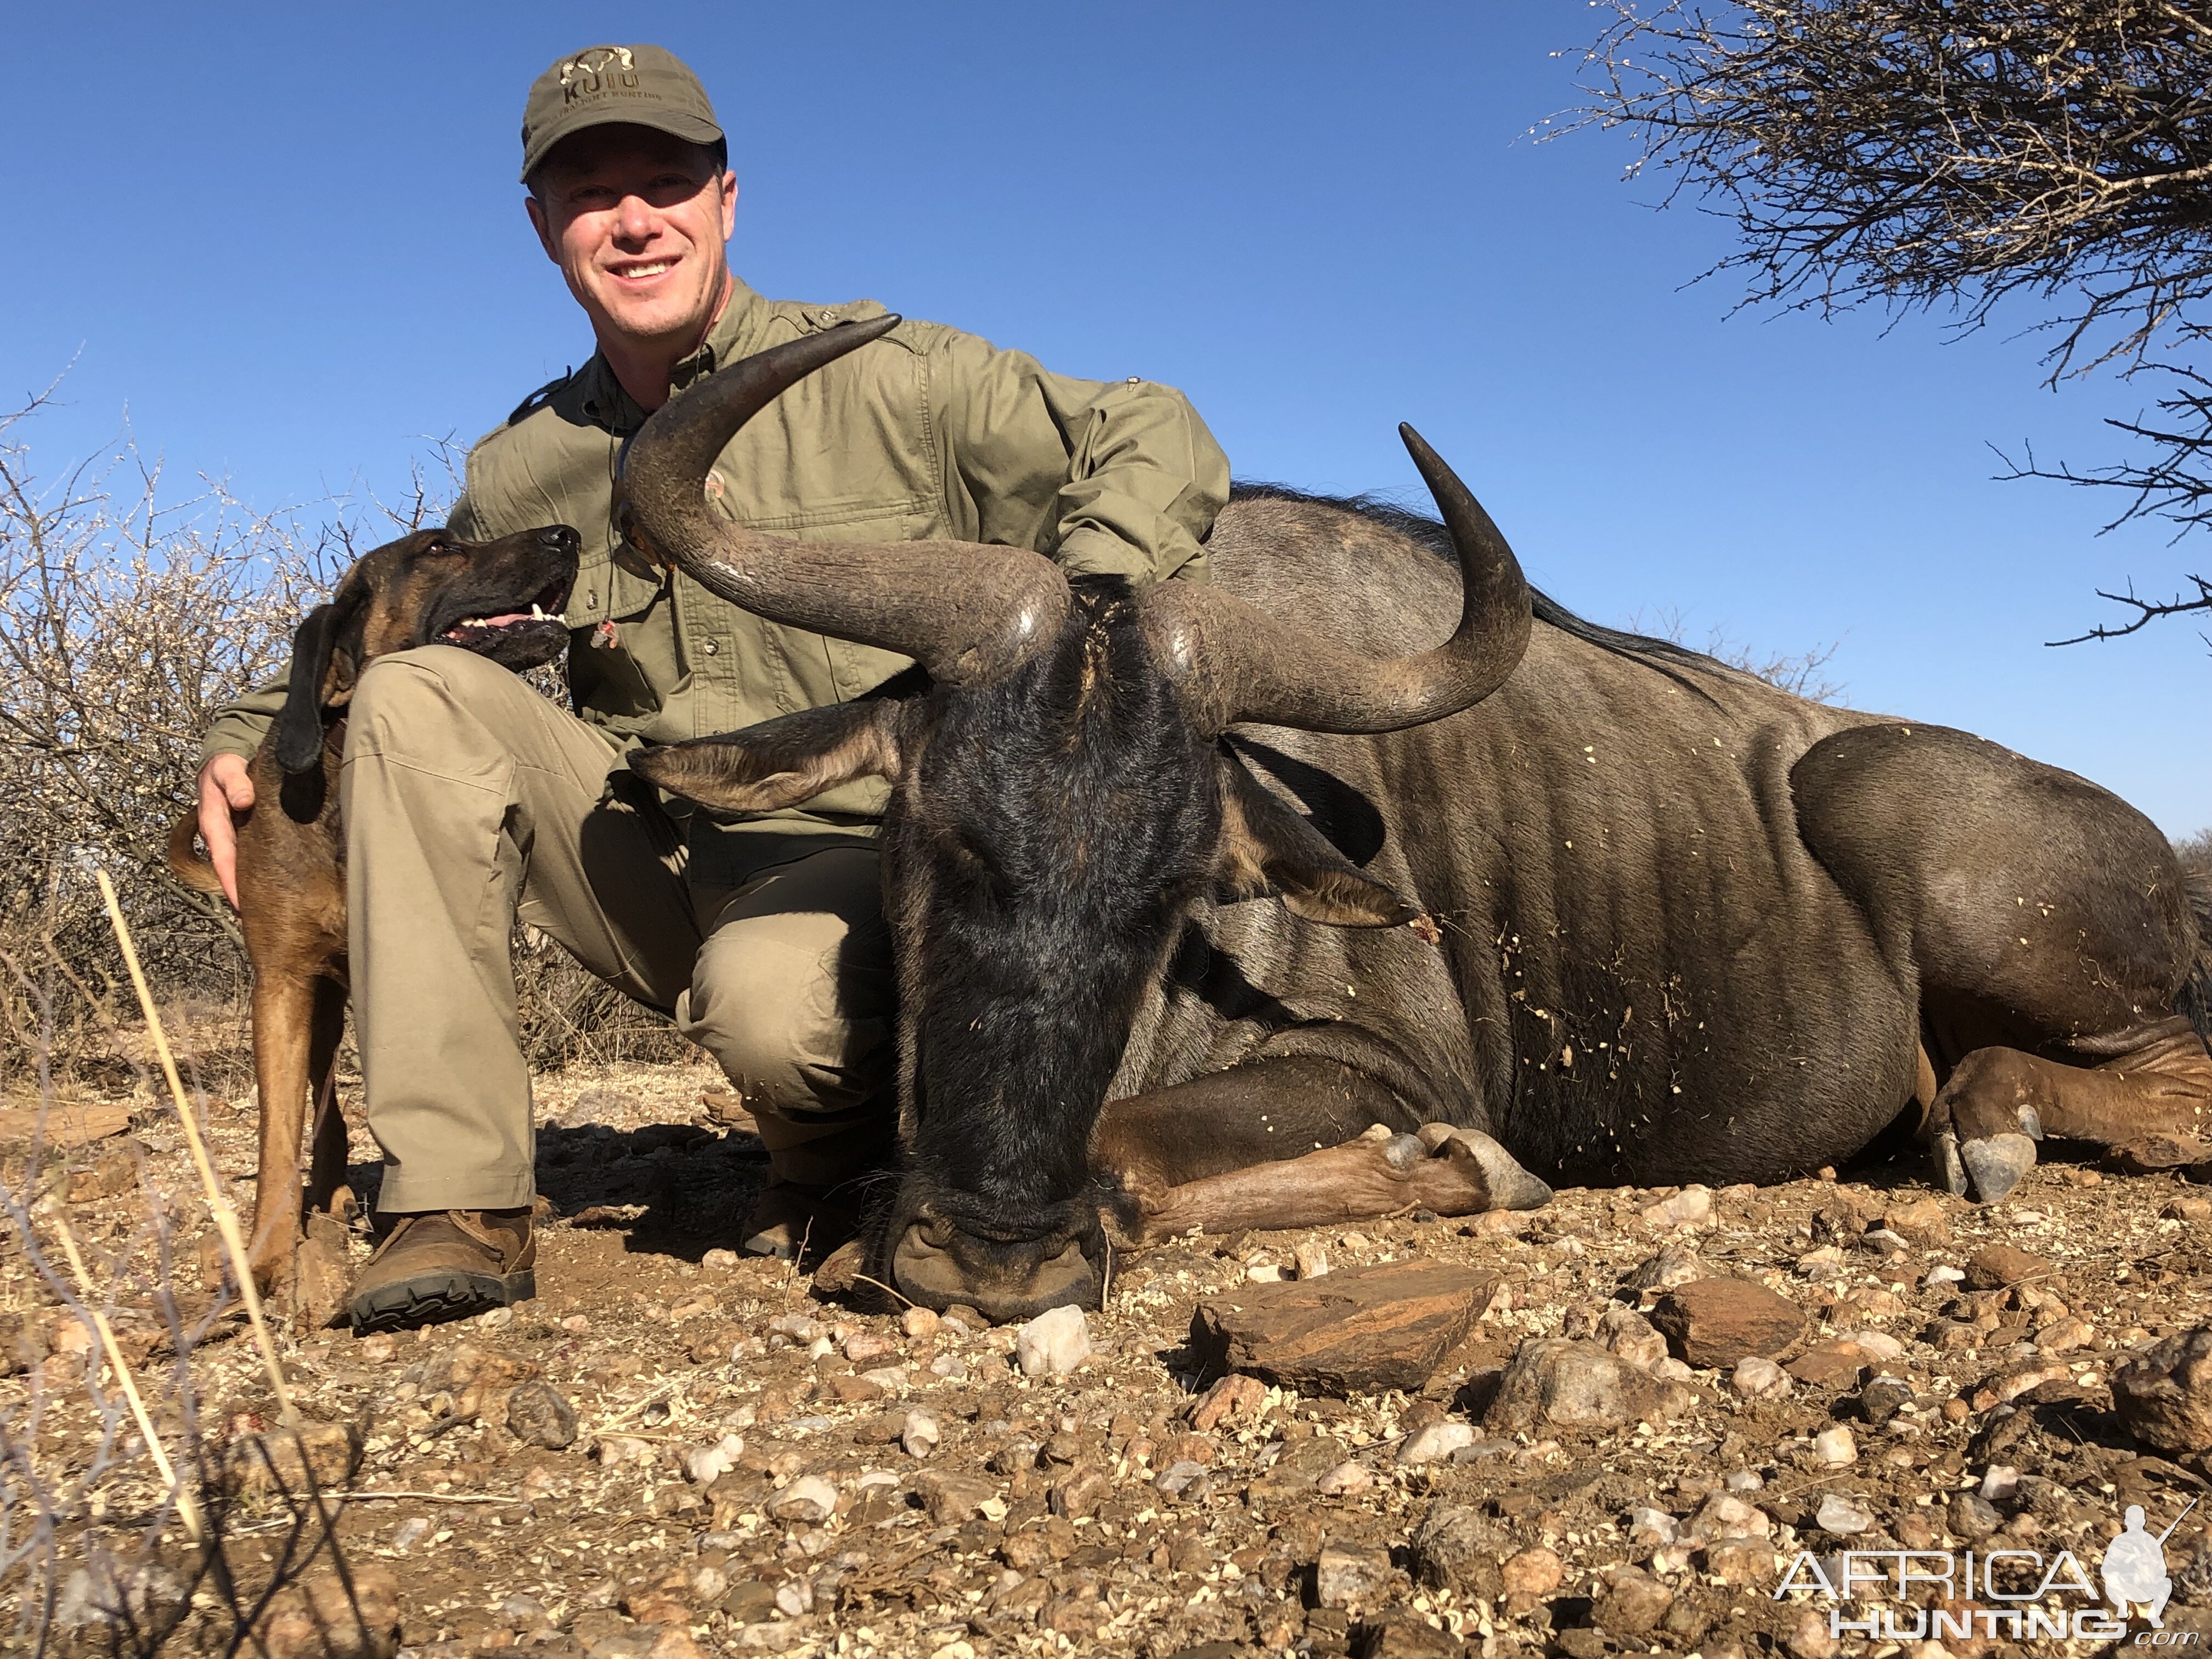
(1041, 856)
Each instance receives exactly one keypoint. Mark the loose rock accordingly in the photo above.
(1997, 1267)
(2163, 1396)
(1352, 1576)
(1053, 1343)
(1718, 1321)
(538, 1414)
(319, 1619)
(1360, 1330)
(1759, 1378)
(810, 1498)
(1535, 1571)
(1553, 1380)
(1434, 1442)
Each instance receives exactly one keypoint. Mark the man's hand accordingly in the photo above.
(225, 791)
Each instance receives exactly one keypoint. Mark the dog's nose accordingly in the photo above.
(560, 538)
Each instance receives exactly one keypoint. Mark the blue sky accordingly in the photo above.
(290, 240)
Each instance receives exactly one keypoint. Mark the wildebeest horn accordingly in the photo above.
(966, 611)
(1236, 662)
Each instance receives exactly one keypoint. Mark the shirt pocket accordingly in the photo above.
(853, 669)
(614, 617)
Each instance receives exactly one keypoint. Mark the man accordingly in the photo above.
(468, 800)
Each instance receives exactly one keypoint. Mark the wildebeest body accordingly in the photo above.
(1147, 856)
(1645, 973)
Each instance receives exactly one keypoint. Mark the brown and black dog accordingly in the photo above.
(500, 599)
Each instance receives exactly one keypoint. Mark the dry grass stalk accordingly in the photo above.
(187, 1505)
(226, 1218)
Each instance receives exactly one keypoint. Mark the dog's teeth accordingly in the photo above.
(536, 613)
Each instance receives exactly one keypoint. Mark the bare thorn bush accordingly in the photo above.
(130, 612)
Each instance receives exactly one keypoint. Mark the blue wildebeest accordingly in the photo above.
(1193, 888)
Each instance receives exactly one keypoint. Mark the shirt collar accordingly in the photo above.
(732, 337)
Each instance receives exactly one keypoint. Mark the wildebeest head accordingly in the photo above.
(1060, 801)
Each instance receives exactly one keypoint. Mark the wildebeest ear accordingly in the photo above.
(1268, 849)
(779, 763)
(314, 650)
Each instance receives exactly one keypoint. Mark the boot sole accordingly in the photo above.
(431, 1299)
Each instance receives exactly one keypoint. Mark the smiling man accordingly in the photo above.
(470, 801)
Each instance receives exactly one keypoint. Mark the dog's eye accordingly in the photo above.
(435, 544)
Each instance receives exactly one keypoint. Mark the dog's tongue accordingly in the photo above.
(507, 620)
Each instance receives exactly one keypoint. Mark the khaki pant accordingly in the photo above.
(468, 800)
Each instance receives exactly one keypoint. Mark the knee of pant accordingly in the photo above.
(399, 678)
(767, 1013)
(397, 687)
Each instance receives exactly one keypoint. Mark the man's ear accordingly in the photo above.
(1268, 849)
(543, 226)
(779, 762)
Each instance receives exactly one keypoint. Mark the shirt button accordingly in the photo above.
(710, 647)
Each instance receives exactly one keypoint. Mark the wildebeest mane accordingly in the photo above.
(1662, 656)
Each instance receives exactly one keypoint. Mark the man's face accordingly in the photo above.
(636, 220)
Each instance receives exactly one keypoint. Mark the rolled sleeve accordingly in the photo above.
(1111, 477)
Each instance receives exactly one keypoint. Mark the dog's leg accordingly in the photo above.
(327, 1192)
(283, 1029)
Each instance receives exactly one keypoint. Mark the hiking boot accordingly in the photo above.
(446, 1264)
(789, 1218)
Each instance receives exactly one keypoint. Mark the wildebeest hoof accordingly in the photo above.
(1950, 1172)
(1997, 1164)
(1504, 1184)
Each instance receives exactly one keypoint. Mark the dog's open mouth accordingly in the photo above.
(474, 632)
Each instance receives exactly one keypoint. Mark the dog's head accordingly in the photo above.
(500, 599)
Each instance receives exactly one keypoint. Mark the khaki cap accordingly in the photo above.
(644, 85)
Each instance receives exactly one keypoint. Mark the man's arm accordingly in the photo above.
(1113, 477)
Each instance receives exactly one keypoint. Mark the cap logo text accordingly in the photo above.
(600, 70)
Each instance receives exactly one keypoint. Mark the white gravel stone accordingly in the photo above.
(1053, 1343)
(1691, 1207)
(1999, 1482)
(1755, 1379)
(1656, 1526)
(1835, 1446)
(719, 1261)
(809, 1498)
(920, 1322)
(1312, 1257)
(919, 1434)
(1839, 1514)
(1344, 1479)
(1434, 1442)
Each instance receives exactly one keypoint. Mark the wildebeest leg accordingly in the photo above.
(284, 1008)
(327, 1192)
(1225, 1152)
(2043, 926)
(2150, 1106)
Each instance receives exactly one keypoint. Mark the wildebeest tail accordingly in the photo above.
(2196, 996)
(189, 867)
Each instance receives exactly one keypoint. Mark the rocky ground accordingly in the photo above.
(1661, 1397)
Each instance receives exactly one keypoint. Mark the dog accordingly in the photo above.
(502, 599)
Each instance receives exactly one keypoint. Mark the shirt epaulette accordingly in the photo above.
(537, 399)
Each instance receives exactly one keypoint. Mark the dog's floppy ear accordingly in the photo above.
(316, 651)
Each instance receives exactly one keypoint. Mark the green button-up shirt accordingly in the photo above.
(926, 433)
